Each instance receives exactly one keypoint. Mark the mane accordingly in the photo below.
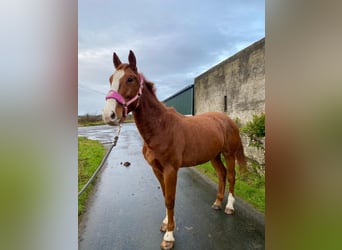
(150, 87)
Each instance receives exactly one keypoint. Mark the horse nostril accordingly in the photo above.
(112, 116)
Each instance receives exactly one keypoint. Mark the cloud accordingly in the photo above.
(93, 55)
(174, 41)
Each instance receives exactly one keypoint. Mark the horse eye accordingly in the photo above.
(130, 79)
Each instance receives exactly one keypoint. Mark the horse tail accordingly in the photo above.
(241, 158)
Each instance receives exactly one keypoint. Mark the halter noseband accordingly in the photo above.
(112, 94)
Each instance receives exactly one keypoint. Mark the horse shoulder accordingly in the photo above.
(148, 154)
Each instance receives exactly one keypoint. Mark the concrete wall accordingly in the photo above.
(236, 86)
(241, 78)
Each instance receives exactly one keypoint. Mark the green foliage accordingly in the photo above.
(90, 154)
(249, 186)
(255, 130)
(256, 127)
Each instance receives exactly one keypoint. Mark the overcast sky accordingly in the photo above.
(173, 40)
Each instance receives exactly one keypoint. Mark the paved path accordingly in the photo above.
(127, 207)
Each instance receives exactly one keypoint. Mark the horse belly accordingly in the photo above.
(201, 151)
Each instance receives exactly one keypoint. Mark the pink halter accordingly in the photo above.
(112, 94)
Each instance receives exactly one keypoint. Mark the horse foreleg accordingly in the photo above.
(221, 173)
(160, 178)
(231, 179)
(170, 181)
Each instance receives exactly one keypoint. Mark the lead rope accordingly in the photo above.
(116, 137)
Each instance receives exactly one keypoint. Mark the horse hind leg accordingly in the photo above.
(221, 173)
(231, 179)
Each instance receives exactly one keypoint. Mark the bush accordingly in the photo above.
(255, 130)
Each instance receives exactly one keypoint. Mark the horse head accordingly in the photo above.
(126, 86)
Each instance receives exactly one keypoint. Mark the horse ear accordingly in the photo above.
(132, 61)
(116, 60)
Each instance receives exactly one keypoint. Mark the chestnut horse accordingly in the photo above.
(172, 140)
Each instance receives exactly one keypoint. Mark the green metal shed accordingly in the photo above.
(182, 101)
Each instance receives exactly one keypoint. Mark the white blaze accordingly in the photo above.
(110, 105)
(116, 79)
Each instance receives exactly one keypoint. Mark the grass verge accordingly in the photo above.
(250, 186)
(90, 154)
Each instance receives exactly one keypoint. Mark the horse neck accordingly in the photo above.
(149, 115)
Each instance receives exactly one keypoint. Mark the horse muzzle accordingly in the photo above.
(109, 115)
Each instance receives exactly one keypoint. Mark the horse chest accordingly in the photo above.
(160, 155)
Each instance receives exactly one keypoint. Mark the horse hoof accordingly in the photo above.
(165, 245)
(216, 207)
(163, 227)
(229, 211)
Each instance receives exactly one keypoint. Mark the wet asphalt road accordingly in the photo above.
(127, 207)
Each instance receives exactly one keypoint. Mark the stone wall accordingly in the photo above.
(254, 154)
(236, 86)
(240, 80)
